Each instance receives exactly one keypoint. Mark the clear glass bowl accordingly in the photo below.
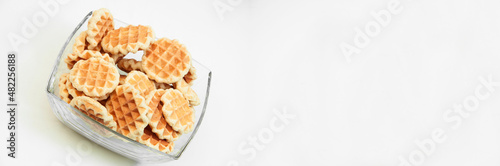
(106, 137)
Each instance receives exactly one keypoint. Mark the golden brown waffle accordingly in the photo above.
(127, 65)
(63, 91)
(150, 139)
(158, 123)
(177, 112)
(71, 60)
(73, 91)
(187, 92)
(95, 77)
(128, 39)
(191, 75)
(79, 47)
(80, 43)
(94, 110)
(166, 61)
(76, 93)
(140, 81)
(129, 109)
(99, 25)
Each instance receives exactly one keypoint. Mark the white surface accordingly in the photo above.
(274, 55)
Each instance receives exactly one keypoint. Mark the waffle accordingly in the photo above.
(129, 109)
(94, 110)
(127, 65)
(191, 75)
(99, 25)
(79, 47)
(128, 39)
(150, 139)
(166, 61)
(73, 91)
(140, 81)
(187, 92)
(76, 93)
(63, 91)
(158, 123)
(177, 112)
(71, 60)
(80, 43)
(95, 77)
(87, 54)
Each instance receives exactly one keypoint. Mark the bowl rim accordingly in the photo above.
(50, 86)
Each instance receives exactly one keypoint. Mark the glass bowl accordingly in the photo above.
(106, 137)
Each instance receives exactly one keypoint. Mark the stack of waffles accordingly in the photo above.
(153, 103)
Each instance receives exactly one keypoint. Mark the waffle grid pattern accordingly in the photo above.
(177, 112)
(166, 61)
(99, 24)
(95, 77)
(150, 139)
(128, 39)
(94, 110)
(129, 109)
(140, 81)
(158, 123)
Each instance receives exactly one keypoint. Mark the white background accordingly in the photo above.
(285, 55)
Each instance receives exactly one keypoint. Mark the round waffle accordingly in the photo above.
(95, 77)
(128, 39)
(129, 109)
(140, 81)
(80, 43)
(99, 25)
(94, 110)
(177, 112)
(76, 93)
(71, 60)
(158, 123)
(187, 92)
(150, 139)
(166, 61)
